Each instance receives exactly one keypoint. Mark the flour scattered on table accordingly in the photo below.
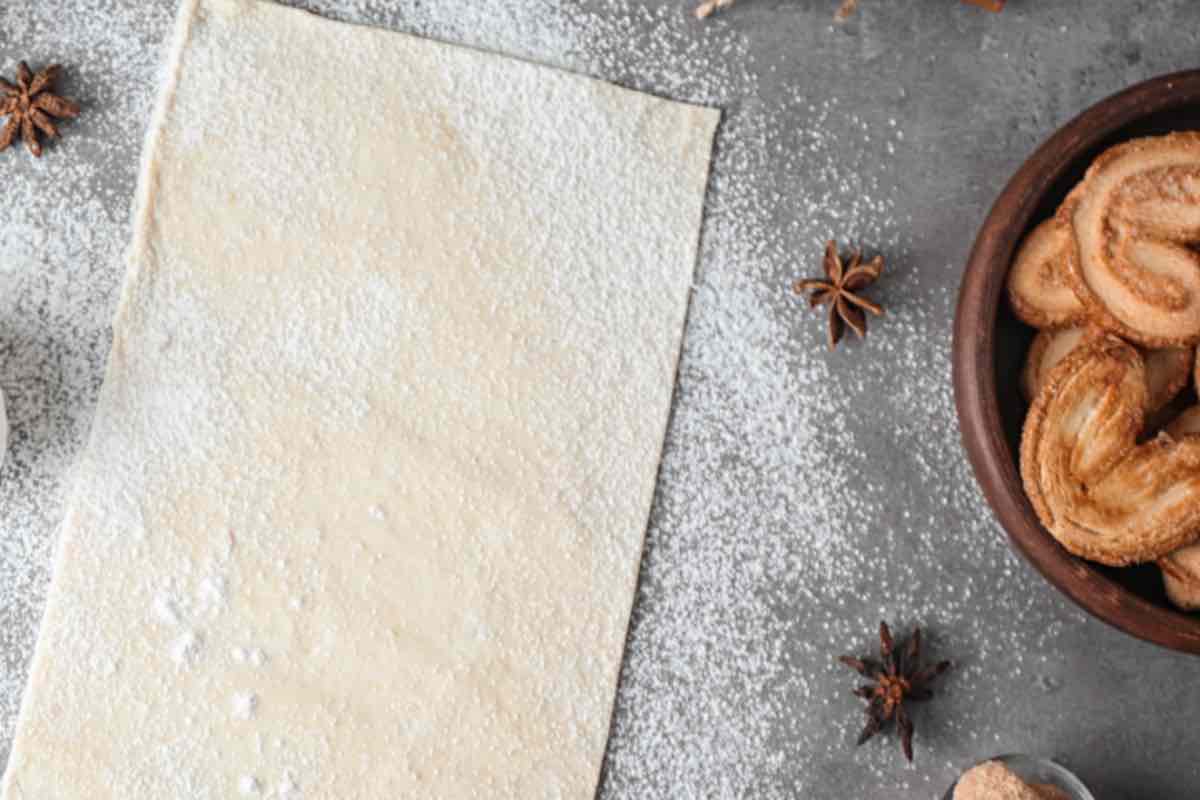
(65, 227)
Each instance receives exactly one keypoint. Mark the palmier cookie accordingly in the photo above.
(1099, 493)
(1181, 569)
(1167, 370)
(1039, 289)
(1131, 221)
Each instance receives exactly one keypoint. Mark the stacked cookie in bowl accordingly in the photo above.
(1112, 282)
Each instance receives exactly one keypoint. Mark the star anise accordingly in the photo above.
(896, 678)
(840, 291)
(30, 104)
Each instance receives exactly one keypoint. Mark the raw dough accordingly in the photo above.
(363, 506)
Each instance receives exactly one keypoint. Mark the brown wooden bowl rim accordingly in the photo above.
(975, 392)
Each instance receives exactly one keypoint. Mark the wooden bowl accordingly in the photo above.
(990, 345)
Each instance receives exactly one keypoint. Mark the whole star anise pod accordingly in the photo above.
(840, 291)
(30, 104)
(897, 677)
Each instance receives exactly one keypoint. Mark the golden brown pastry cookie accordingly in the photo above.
(1131, 220)
(1039, 290)
(1103, 496)
(1181, 576)
(1167, 370)
(1181, 569)
(1049, 347)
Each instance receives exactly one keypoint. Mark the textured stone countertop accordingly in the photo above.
(804, 494)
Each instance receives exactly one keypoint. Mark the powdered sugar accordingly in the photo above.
(253, 656)
(185, 649)
(166, 609)
(243, 705)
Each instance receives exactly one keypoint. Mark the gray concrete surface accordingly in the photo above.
(804, 494)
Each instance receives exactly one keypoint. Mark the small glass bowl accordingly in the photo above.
(1039, 770)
